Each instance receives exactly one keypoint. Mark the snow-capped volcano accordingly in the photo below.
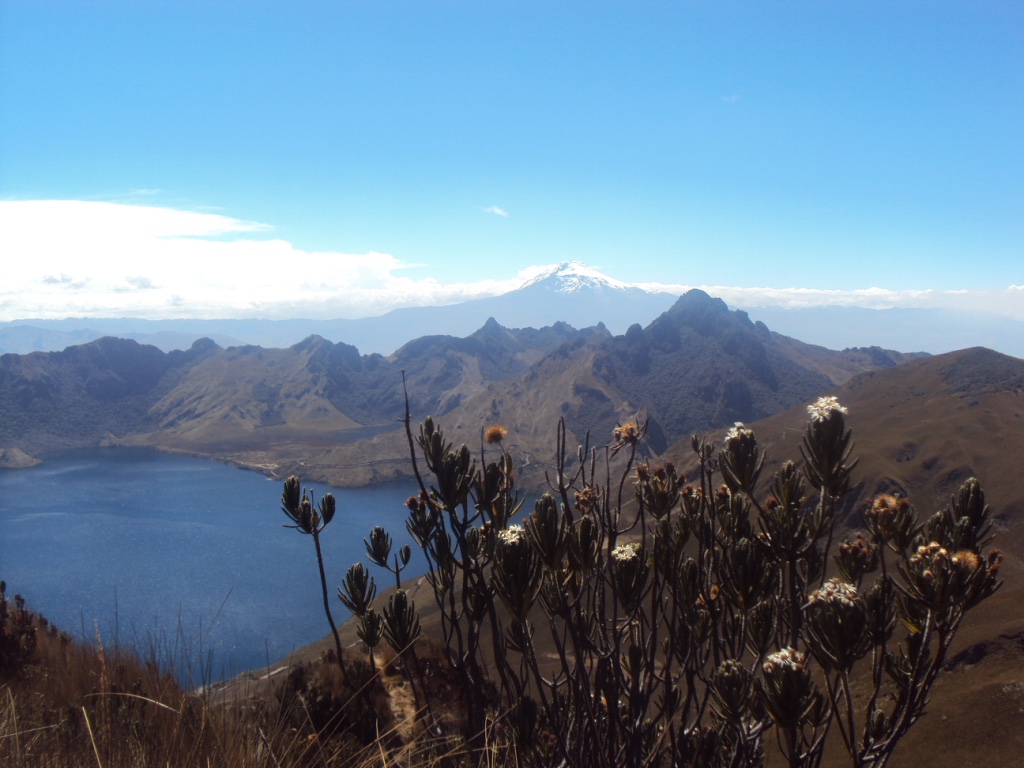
(571, 292)
(573, 276)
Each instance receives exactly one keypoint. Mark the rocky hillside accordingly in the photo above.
(921, 429)
(218, 402)
(696, 367)
(329, 413)
(87, 394)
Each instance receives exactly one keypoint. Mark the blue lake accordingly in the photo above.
(182, 554)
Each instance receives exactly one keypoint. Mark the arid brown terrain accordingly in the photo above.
(324, 411)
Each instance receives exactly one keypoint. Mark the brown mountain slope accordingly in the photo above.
(51, 401)
(320, 409)
(696, 367)
(247, 400)
(922, 429)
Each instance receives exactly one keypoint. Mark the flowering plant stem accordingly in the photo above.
(327, 611)
(686, 623)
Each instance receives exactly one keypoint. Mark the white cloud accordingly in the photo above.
(93, 259)
(67, 258)
(495, 210)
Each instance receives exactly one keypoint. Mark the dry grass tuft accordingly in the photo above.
(67, 704)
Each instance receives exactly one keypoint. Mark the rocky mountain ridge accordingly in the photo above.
(325, 410)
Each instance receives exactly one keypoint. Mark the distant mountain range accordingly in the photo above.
(329, 413)
(571, 292)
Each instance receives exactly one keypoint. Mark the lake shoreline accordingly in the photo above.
(180, 551)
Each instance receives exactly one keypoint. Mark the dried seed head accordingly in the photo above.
(495, 434)
(966, 561)
(586, 499)
(857, 556)
(995, 560)
(627, 434)
(930, 555)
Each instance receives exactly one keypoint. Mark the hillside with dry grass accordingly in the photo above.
(921, 430)
(247, 401)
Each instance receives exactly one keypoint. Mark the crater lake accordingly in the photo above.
(185, 557)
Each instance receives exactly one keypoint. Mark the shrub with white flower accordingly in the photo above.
(517, 571)
(695, 626)
(512, 535)
(834, 592)
(629, 572)
(787, 689)
(824, 407)
(629, 551)
(742, 459)
(836, 624)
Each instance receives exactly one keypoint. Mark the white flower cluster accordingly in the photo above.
(738, 429)
(835, 591)
(628, 551)
(787, 658)
(512, 535)
(823, 407)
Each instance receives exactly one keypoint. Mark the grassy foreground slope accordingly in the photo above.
(921, 429)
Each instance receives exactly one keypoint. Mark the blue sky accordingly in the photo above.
(380, 152)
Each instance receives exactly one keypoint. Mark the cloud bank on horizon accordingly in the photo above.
(75, 258)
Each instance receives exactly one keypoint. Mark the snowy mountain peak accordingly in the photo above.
(574, 276)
